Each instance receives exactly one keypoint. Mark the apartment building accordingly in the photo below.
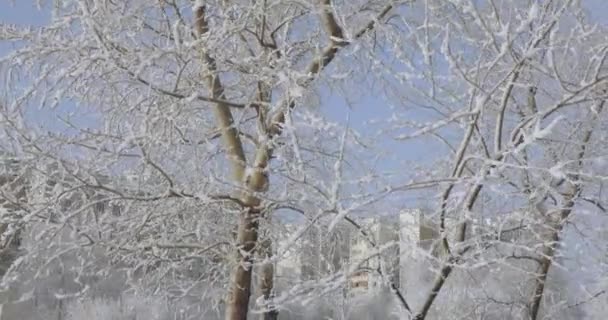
(316, 253)
(397, 240)
(378, 248)
(375, 250)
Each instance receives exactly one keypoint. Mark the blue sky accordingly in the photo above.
(24, 12)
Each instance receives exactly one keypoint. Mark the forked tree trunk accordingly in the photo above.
(237, 302)
(256, 181)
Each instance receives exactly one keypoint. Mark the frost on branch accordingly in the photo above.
(409, 172)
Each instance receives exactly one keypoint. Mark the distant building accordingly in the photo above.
(315, 254)
(385, 245)
(409, 231)
(379, 250)
(376, 250)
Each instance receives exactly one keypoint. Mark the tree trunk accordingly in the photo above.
(266, 282)
(237, 303)
(545, 265)
(257, 180)
(240, 283)
(557, 227)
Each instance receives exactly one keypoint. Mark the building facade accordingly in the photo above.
(374, 253)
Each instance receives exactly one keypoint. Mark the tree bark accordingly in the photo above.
(237, 303)
(266, 283)
(239, 293)
(557, 226)
(545, 265)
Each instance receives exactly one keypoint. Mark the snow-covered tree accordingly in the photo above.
(189, 148)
